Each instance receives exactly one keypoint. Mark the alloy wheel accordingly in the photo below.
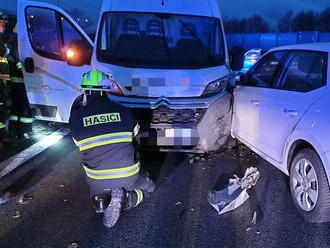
(305, 185)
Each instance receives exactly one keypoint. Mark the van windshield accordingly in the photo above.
(154, 40)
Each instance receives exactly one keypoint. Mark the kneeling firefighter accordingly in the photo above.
(104, 132)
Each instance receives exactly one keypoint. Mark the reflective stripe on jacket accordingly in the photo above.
(16, 80)
(113, 173)
(106, 139)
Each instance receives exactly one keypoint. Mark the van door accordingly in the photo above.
(44, 32)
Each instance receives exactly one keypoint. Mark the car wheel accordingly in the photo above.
(309, 186)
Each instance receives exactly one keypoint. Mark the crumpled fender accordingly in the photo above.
(214, 128)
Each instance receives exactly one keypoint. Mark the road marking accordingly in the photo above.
(20, 158)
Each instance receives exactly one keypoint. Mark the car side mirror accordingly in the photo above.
(244, 79)
(78, 53)
(236, 58)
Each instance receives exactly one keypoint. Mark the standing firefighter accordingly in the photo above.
(104, 131)
(20, 120)
(4, 79)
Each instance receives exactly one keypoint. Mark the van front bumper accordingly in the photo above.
(182, 124)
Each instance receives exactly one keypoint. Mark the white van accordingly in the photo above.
(167, 61)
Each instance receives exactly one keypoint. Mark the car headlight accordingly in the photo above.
(216, 86)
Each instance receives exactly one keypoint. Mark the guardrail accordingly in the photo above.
(266, 41)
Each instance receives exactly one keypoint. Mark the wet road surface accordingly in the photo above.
(49, 206)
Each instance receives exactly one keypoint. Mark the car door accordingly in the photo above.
(300, 84)
(44, 32)
(248, 96)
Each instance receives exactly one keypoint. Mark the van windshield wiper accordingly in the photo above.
(201, 44)
(165, 43)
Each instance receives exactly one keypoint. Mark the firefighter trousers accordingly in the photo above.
(20, 120)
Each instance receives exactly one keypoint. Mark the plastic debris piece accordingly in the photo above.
(24, 199)
(258, 232)
(17, 215)
(65, 200)
(62, 185)
(235, 193)
(254, 219)
(178, 203)
(73, 245)
(5, 198)
(248, 229)
(192, 209)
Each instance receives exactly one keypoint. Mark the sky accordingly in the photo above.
(271, 10)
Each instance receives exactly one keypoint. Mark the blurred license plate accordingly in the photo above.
(170, 137)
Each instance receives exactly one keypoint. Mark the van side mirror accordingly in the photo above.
(78, 53)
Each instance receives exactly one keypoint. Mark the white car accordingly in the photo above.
(282, 112)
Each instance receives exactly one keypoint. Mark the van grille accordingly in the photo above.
(165, 115)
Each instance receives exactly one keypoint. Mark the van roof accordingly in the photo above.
(208, 8)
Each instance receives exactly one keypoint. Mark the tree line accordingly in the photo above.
(302, 21)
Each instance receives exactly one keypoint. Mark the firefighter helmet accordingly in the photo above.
(95, 80)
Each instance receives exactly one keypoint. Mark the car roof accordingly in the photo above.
(317, 46)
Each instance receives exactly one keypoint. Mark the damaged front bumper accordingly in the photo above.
(196, 125)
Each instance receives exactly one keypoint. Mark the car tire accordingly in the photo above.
(309, 186)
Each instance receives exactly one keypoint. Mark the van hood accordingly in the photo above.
(164, 82)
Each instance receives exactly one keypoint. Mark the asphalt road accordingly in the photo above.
(56, 210)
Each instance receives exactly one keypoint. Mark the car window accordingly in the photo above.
(265, 70)
(44, 32)
(304, 71)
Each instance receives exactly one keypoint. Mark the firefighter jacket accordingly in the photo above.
(103, 131)
(15, 66)
(4, 78)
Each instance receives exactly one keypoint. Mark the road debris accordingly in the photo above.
(235, 193)
(178, 203)
(254, 219)
(24, 199)
(5, 198)
(73, 245)
(62, 185)
(16, 215)
(198, 157)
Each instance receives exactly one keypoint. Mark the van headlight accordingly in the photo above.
(115, 89)
(216, 86)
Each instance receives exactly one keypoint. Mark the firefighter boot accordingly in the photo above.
(113, 211)
(101, 202)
